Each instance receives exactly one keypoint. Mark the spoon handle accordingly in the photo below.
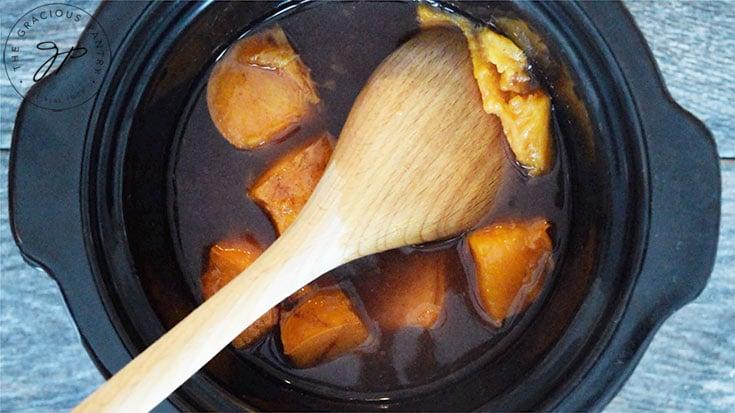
(289, 264)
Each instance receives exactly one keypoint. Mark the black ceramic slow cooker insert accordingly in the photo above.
(90, 189)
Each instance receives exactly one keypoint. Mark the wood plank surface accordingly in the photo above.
(689, 366)
(11, 11)
(694, 45)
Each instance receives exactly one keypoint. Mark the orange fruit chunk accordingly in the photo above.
(511, 261)
(260, 90)
(227, 259)
(320, 328)
(283, 189)
(409, 291)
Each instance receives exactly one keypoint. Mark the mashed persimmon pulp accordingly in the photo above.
(507, 89)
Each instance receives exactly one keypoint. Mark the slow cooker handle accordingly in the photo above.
(684, 179)
(684, 182)
(685, 210)
(46, 160)
(44, 191)
(682, 242)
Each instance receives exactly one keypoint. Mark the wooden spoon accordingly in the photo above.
(418, 160)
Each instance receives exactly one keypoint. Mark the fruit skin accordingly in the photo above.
(408, 291)
(283, 189)
(511, 261)
(260, 90)
(322, 327)
(227, 259)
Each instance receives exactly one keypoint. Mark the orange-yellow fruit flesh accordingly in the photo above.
(320, 328)
(511, 261)
(529, 120)
(260, 90)
(227, 259)
(500, 69)
(285, 187)
(409, 292)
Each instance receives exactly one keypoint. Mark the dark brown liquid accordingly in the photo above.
(342, 43)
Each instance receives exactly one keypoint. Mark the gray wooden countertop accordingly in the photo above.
(689, 366)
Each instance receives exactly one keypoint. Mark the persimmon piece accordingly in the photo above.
(227, 259)
(501, 71)
(320, 328)
(511, 261)
(260, 90)
(285, 187)
(292, 300)
(409, 292)
(529, 126)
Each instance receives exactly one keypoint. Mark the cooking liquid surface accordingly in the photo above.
(342, 43)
